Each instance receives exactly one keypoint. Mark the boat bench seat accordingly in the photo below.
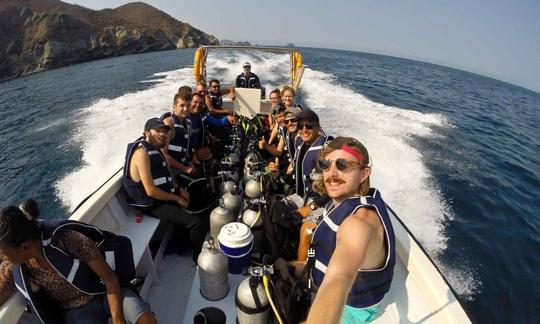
(140, 235)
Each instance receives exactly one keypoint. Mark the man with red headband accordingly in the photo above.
(354, 244)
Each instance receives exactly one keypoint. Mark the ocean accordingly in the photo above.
(456, 154)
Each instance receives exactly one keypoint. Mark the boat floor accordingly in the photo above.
(175, 297)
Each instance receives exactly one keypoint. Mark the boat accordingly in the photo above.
(419, 292)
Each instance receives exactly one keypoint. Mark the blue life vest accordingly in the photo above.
(198, 130)
(304, 168)
(217, 101)
(159, 168)
(180, 146)
(370, 286)
(77, 273)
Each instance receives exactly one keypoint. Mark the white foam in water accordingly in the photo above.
(398, 171)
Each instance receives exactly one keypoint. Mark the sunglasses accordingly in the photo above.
(289, 121)
(341, 164)
(306, 125)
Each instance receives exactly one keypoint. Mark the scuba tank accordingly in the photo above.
(252, 304)
(218, 217)
(228, 186)
(232, 202)
(253, 219)
(253, 188)
(213, 274)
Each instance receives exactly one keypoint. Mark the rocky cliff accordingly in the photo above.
(36, 35)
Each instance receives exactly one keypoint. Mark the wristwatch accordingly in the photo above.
(312, 206)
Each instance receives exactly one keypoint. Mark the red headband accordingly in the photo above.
(352, 151)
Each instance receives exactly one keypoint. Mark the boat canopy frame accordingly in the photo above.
(296, 69)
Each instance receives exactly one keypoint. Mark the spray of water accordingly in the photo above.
(108, 125)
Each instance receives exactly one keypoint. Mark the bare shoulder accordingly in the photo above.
(168, 121)
(365, 218)
(139, 155)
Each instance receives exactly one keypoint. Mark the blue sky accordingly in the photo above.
(499, 39)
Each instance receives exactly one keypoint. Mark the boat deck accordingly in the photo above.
(175, 296)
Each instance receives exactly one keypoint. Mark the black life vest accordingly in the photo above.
(180, 147)
(306, 166)
(77, 273)
(161, 174)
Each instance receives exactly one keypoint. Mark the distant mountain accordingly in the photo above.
(36, 35)
(229, 42)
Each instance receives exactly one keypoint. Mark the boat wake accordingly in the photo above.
(107, 125)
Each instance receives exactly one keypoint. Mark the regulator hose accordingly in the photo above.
(267, 290)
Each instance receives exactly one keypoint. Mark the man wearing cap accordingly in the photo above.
(355, 245)
(247, 79)
(179, 148)
(308, 143)
(149, 185)
(305, 202)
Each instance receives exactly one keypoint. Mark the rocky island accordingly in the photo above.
(37, 35)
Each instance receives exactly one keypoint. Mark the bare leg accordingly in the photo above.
(147, 318)
(305, 239)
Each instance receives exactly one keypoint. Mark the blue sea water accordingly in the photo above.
(455, 154)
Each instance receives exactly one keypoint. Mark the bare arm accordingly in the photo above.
(214, 110)
(275, 151)
(353, 238)
(114, 295)
(274, 133)
(141, 166)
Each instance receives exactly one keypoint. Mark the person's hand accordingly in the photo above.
(282, 267)
(304, 211)
(182, 202)
(231, 119)
(262, 143)
(182, 192)
(188, 169)
(272, 167)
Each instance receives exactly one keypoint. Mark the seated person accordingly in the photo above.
(275, 99)
(277, 129)
(287, 98)
(248, 79)
(149, 185)
(179, 149)
(213, 103)
(199, 122)
(286, 139)
(32, 264)
(304, 201)
(355, 256)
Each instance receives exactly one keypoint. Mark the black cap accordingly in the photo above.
(308, 115)
(155, 123)
(279, 108)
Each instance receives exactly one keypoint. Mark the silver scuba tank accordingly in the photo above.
(218, 217)
(253, 188)
(228, 186)
(253, 219)
(213, 274)
(252, 305)
(232, 202)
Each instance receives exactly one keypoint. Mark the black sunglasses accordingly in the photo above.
(341, 164)
(306, 125)
(287, 121)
